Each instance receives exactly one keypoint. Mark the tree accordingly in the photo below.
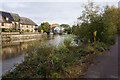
(75, 29)
(39, 28)
(57, 25)
(90, 13)
(65, 25)
(45, 26)
(110, 24)
(93, 19)
(118, 27)
(88, 18)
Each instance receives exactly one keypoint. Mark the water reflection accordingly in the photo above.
(11, 50)
(16, 48)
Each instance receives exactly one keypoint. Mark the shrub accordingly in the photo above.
(67, 41)
(10, 30)
(5, 30)
(48, 32)
(101, 47)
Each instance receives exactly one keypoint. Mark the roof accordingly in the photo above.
(16, 17)
(6, 14)
(12, 16)
(1, 18)
(53, 25)
(26, 21)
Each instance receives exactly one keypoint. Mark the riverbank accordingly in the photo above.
(50, 62)
(21, 37)
(13, 51)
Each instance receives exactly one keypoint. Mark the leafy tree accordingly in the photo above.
(75, 29)
(45, 26)
(65, 25)
(110, 24)
(57, 25)
(88, 18)
(90, 13)
(68, 31)
(93, 20)
(113, 13)
(39, 29)
(118, 21)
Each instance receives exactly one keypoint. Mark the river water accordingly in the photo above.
(13, 52)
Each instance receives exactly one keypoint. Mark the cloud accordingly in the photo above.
(58, 0)
(1, 8)
(14, 5)
(56, 12)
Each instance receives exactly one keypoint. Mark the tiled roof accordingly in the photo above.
(26, 21)
(16, 18)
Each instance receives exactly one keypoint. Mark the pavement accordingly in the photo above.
(107, 64)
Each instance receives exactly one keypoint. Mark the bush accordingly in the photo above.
(68, 31)
(67, 41)
(5, 30)
(10, 30)
(101, 47)
(48, 32)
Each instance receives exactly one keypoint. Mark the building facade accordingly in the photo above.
(27, 24)
(5, 20)
(15, 22)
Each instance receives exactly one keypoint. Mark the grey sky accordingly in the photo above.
(52, 12)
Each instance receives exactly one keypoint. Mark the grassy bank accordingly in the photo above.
(48, 61)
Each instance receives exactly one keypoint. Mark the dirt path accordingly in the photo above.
(107, 64)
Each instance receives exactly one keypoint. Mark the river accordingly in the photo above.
(13, 52)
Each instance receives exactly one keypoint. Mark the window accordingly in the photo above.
(8, 24)
(2, 24)
(7, 18)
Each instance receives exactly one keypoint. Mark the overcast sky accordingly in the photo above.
(52, 12)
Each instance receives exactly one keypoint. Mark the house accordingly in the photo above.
(57, 29)
(51, 26)
(27, 24)
(5, 20)
(54, 25)
(54, 28)
(15, 22)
